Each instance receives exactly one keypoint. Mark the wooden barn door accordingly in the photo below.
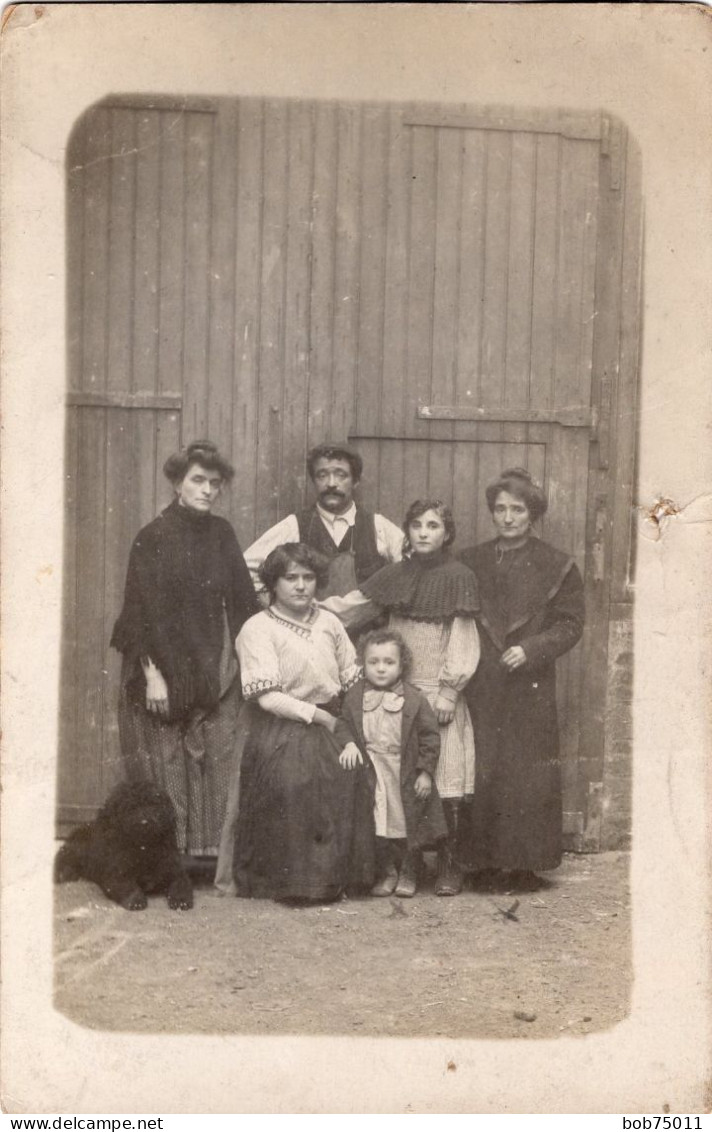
(138, 184)
(493, 245)
(454, 291)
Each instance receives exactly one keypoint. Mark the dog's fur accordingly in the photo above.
(130, 850)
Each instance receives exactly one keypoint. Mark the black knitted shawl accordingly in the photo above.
(425, 588)
(186, 572)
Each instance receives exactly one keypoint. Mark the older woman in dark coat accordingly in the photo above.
(532, 611)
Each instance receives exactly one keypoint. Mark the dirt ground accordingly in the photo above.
(429, 966)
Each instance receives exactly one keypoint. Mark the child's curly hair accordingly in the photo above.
(387, 637)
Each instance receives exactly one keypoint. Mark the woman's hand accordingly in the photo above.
(444, 710)
(423, 785)
(513, 658)
(324, 719)
(350, 757)
(156, 691)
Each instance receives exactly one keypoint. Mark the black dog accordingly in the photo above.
(130, 849)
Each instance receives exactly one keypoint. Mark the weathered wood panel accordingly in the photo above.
(289, 272)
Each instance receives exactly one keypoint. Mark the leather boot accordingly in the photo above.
(449, 879)
(386, 871)
(409, 873)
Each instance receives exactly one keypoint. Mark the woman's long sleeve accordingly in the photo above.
(288, 707)
(563, 626)
(461, 658)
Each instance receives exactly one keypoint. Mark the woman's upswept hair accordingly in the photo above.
(519, 483)
(418, 508)
(278, 562)
(202, 452)
(387, 637)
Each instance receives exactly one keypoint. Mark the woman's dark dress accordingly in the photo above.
(533, 597)
(305, 825)
(188, 593)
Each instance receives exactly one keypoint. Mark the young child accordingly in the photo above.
(432, 600)
(392, 723)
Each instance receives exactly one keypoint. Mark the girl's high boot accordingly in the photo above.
(449, 878)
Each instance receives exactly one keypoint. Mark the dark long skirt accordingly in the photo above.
(305, 827)
(517, 806)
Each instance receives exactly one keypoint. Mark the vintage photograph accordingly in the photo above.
(364, 378)
(354, 613)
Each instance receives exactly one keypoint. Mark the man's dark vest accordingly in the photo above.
(359, 540)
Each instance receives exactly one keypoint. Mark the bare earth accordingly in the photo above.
(457, 966)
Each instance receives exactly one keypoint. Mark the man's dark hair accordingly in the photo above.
(335, 452)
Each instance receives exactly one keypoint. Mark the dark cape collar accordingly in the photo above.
(432, 588)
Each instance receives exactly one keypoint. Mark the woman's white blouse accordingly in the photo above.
(292, 666)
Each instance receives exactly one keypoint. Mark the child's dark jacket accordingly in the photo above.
(420, 750)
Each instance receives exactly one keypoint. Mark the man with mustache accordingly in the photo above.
(356, 541)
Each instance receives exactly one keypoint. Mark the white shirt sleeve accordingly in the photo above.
(288, 707)
(285, 531)
(462, 657)
(352, 609)
(389, 539)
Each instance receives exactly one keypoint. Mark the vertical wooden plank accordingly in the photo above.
(446, 298)
(323, 284)
(274, 247)
(168, 441)
(420, 296)
(494, 326)
(96, 249)
(394, 389)
(297, 308)
(69, 690)
(490, 466)
(570, 289)
(119, 528)
(625, 402)
(342, 416)
(520, 279)
(76, 207)
(197, 292)
(546, 234)
(221, 314)
(471, 268)
(465, 495)
(120, 505)
(601, 530)
(122, 235)
(589, 190)
(393, 494)
(171, 252)
(393, 409)
(248, 288)
(141, 450)
(144, 365)
(90, 565)
(376, 140)
(69, 745)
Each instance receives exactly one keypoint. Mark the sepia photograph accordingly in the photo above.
(352, 724)
(393, 334)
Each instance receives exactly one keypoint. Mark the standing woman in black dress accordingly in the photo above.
(188, 594)
(531, 612)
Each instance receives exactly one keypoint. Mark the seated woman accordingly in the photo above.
(305, 825)
(532, 612)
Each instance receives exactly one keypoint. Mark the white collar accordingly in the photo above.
(348, 517)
